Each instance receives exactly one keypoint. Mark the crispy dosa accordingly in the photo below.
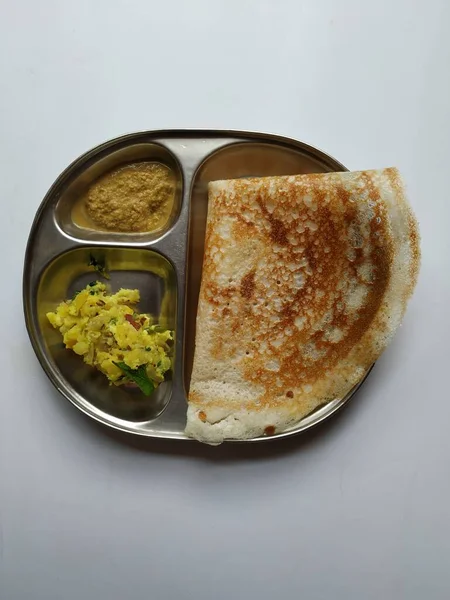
(305, 280)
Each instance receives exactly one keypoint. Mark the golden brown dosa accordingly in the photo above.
(305, 281)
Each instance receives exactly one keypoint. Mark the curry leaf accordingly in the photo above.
(139, 376)
(99, 265)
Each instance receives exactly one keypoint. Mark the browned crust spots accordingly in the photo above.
(329, 260)
(277, 229)
(248, 285)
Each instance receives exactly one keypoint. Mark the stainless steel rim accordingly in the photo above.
(222, 138)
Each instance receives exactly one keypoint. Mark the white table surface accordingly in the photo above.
(358, 509)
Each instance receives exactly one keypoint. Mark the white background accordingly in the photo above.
(358, 509)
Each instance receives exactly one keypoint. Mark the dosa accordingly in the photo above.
(305, 280)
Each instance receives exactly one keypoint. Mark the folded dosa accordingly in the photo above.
(305, 280)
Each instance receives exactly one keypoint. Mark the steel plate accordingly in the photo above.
(165, 266)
